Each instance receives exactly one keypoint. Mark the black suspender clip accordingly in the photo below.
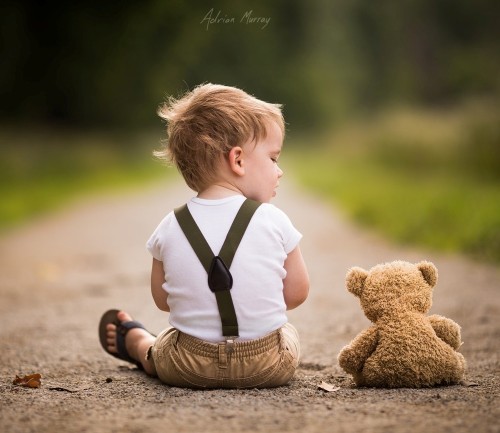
(219, 277)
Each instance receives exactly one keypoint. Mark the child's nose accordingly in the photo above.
(280, 171)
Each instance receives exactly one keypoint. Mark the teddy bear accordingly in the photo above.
(403, 348)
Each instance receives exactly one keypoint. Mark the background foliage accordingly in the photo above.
(111, 63)
(392, 107)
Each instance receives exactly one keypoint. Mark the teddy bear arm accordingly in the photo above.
(447, 330)
(353, 356)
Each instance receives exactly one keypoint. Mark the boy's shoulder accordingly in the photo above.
(273, 213)
(271, 208)
(265, 210)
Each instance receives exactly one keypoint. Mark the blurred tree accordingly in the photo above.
(106, 63)
(427, 51)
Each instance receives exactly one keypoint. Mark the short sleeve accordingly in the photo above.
(156, 242)
(153, 246)
(290, 236)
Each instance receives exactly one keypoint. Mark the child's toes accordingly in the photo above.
(124, 317)
(112, 344)
(111, 337)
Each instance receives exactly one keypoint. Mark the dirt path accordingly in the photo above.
(59, 274)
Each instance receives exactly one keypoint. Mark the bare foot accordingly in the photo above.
(137, 342)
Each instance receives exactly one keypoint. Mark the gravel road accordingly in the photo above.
(60, 272)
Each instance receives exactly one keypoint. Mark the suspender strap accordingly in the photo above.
(220, 280)
(194, 236)
(237, 230)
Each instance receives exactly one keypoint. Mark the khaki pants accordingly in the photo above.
(185, 361)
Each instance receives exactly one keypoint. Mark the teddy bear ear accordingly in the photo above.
(429, 271)
(355, 280)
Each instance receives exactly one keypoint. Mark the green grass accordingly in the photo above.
(43, 169)
(421, 178)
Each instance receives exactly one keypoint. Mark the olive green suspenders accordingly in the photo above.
(220, 280)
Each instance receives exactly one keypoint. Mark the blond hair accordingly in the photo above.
(206, 123)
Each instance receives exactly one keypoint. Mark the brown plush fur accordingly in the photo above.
(403, 347)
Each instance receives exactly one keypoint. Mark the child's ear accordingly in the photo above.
(236, 160)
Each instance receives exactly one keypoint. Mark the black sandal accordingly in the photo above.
(122, 329)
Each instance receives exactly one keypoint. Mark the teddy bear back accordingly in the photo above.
(409, 354)
(404, 347)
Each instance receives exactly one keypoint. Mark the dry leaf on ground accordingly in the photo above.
(328, 387)
(30, 381)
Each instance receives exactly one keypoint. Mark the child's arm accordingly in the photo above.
(157, 279)
(296, 282)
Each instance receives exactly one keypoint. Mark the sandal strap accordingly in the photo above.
(121, 332)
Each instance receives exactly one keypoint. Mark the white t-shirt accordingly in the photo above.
(257, 269)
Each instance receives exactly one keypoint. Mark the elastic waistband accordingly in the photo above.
(240, 349)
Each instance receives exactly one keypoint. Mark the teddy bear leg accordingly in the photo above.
(455, 370)
(460, 372)
(359, 379)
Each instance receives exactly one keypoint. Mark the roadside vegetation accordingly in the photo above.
(428, 178)
(42, 169)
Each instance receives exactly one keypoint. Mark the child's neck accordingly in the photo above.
(218, 191)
